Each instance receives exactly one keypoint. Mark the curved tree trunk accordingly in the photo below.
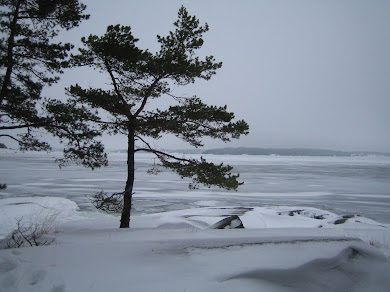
(125, 218)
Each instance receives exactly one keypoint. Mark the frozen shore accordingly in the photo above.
(280, 249)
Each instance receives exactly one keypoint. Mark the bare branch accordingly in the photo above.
(158, 153)
(177, 98)
(116, 89)
(12, 137)
(147, 95)
(29, 126)
(161, 153)
(123, 123)
(108, 203)
(21, 126)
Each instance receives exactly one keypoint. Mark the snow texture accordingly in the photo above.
(281, 249)
(171, 246)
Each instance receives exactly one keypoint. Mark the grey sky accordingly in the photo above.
(301, 73)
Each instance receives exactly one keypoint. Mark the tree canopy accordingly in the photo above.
(29, 60)
(138, 77)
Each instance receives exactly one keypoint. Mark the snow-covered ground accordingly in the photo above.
(287, 244)
(281, 249)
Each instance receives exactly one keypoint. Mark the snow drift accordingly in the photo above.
(280, 249)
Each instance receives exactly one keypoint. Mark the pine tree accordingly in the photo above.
(139, 77)
(29, 60)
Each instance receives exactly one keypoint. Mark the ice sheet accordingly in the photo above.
(337, 184)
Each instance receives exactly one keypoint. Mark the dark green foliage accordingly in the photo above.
(137, 77)
(177, 55)
(203, 172)
(28, 57)
(71, 123)
(192, 120)
(30, 60)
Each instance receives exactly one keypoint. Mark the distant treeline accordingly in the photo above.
(287, 152)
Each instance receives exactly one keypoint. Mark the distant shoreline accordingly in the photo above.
(280, 152)
(259, 151)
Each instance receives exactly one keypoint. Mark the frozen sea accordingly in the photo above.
(343, 185)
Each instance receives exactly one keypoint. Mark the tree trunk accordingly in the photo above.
(125, 218)
(10, 48)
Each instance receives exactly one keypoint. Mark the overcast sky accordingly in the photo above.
(311, 74)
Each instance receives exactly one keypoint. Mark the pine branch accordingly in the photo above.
(147, 95)
(12, 137)
(116, 89)
(177, 98)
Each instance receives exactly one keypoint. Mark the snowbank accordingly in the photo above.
(34, 210)
(280, 249)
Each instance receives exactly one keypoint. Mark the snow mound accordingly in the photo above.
(282, 249)
(256, 217)
(34, 210)
(205, 260)
(353, 269)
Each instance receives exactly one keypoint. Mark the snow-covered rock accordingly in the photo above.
(230, 222)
